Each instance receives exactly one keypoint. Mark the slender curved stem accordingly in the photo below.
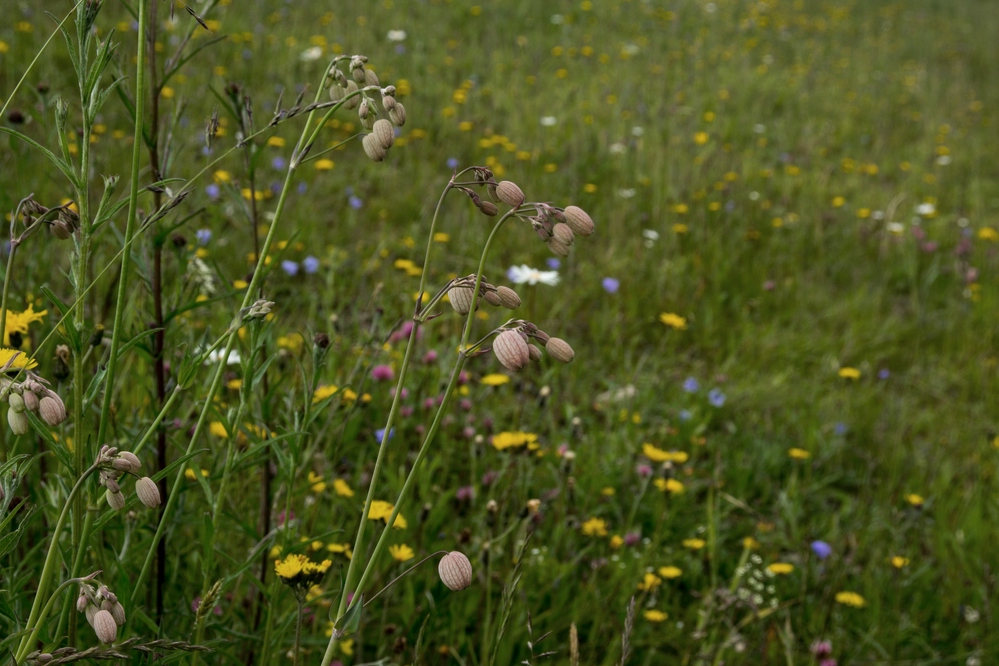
(45, 611)
(401, 576)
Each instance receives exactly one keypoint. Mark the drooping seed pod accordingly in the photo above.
(60, 230)
(16, 402)
(510, 194)
(115, 500)
(337, 92)
(388, 102)
(370, 78)
(557, 247)
(489, 208)
(511, 350)
(535, 352)
(118, 613)
(18, 421)
(540, 336)
(131, 459)
(81, 602)
(373, 148)
(455, 571)
(112, 485)
(563, 234)
(579, 221)
(460, 299)
(354, 101)
(508, 298)
(363, 110)
(90, 611)
(52, 410)
(148, 493)
(398, 114)
(357, 70)
(559, 350)
(30, 400)
(492, 298)
(384, 132)
(105, 627)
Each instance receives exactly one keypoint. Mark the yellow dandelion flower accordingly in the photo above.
(673, 320)
(495, 379)
(899, 562)
(18, 322)
(694, 544)
(324, 164)
(849, 373)
(595, 527)
(290, 566)
(781, 568)
(341, 488)
(850, 599)
(649, 582)
(317, 483)
(217, 429)
(506, 440)
(838, 202)
(670, 572)
(402, 552)
(21, 361)
(701, 138)
(655, 615)
(749, 543)
(799, 454)
(616, 541)
(914, 499)
(988, 234)
(323, 392)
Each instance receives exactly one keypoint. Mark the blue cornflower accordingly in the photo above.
(452, 163)
(355, 202)
(203, 236)
(289, 267)
(380, 434)
(213, 191)
(716, 397)
(821, 549)
(611, 285)
(553, 263)
(690, 385)
(310, 264)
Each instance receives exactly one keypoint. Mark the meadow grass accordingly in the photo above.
(809, 187)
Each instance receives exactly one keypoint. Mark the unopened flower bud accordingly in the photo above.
(112, 485)
(578, 221)
(373, 148)
(147, 492)
(489, 208)
(511, 350)
(398, 114)
(492, 298)
(118, 613)
(557, 247)
(43, 658)
(81, 603)
(559, 350)
(370, 78)
(18, 421)
(510, 194)
(30, 400)
(90, 611)
(362, 110)
(260, 309)
(455, 571)
(105, 627)
(337, 92)
(388, 102)
(508, 298)
(52, 410)
(354, 101)
(460, 299)
(563, 234)
(535, 352)
(384, 132)
(115, 500)
(16, 403)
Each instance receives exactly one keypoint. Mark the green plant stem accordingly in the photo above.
(298, 632)
(45, 611)
(431, 434)
(133, 197)
(487, 618)
(233, 331)
(36, 616)
(8, 276)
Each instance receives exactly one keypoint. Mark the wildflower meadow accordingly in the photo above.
(579, 332)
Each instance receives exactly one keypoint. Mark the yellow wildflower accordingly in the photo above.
(290, 566)
(899, 562)
(849, 373)
(649, 582)
(988, 234)
(402, 552)
(914, 499)
(382, 510)
(595, 527)
(18, 322)
(799, 454)
(673, 320)
(694, 544)
(616, 541)
(850, 599)
(506, 440)
(495, 379)
(21, 360)
(655, 615)
(323, 392)
(318, 485)
(341, 488)
(670, 572)
(781, 568)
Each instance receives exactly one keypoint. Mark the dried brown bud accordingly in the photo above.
(455, 571)
(384, 132)
(559, 350)
(321, 340)
(508, 298)
(578, 221)
(563, 234)
(460, 299)
(148, 493)
(511, 350)
(510, 194)
(115, 500)
(105, 627)
(52, 410)
(373, 147)
(398, 114)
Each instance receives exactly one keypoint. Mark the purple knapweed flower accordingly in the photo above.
(465, 493)
(382, 373)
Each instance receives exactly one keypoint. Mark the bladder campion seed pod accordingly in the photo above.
(535, 352)
(115, 500)
(388, 102)
(373, 147)
(510, 194)
(131, 459)
(105, 627)
(117, 612)
(397, 114)
(18, 421)
(460, 299)
(508, 298)
(559, 350)
(455, 571)
(563, 234)
(52, 410)
(82, 602)
(337, 92)
(354, 101)
(16, 402)
(370, 77)
(147, 491)
(489, 208)
(492, 298)
(30, 400)
(511, 350)
(557, 247)
(578, 221)
(384, 132)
